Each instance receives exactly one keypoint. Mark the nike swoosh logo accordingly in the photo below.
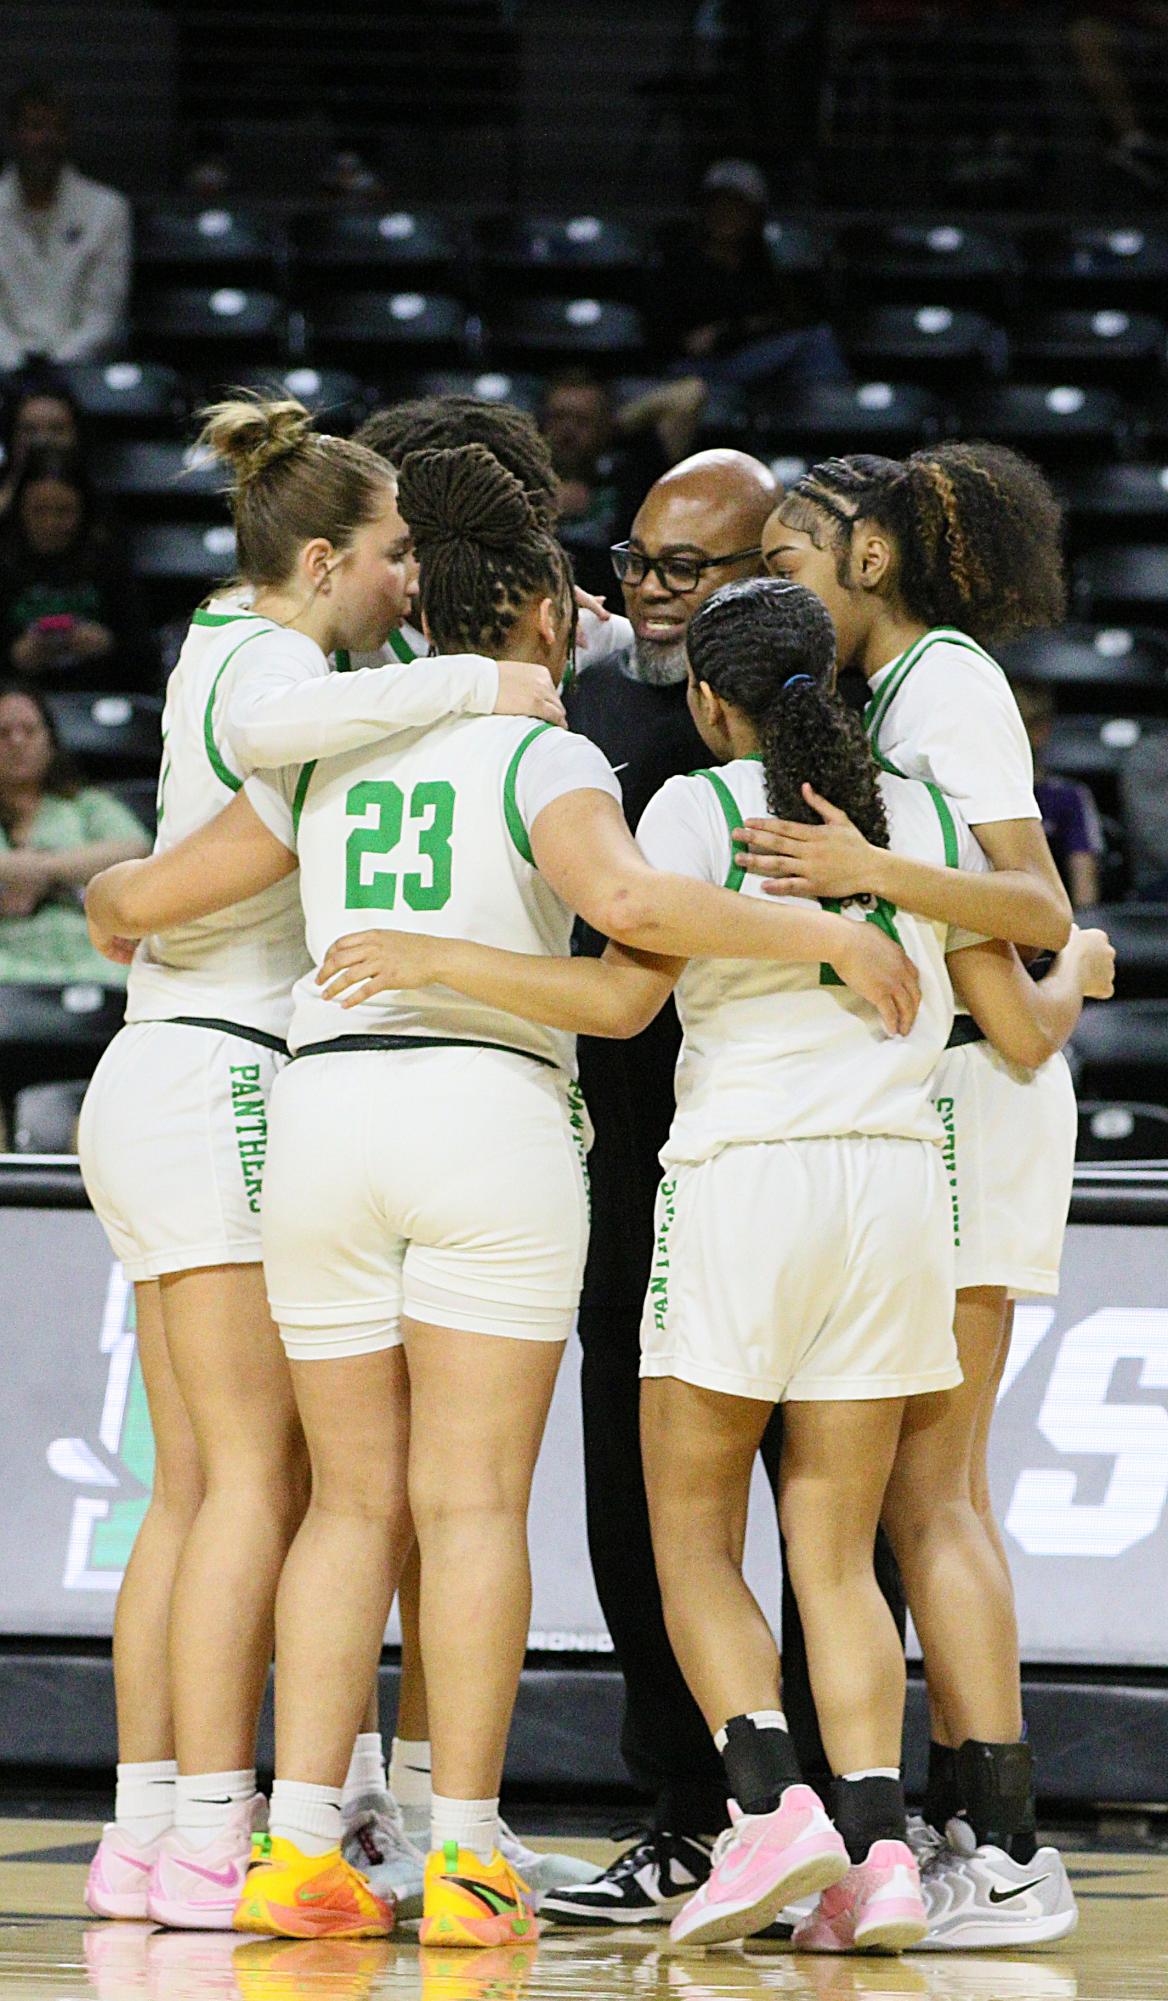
(496, 1902)
(1005, 1896)
(225, 1878)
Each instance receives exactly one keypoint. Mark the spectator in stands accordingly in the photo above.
(64, 242)
(70, 612)
(55, 833)
(601, 470)
(1070, 817)
(39, 411)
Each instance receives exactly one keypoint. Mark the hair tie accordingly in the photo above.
(794, 681)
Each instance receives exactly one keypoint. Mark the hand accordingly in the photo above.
(588, 601)
(90, 641)
(879, 971)
(831, 860)
(33, 651)
(377, 962)
(527, 690)
(110, 944)
(1095, 963)
(26, 879)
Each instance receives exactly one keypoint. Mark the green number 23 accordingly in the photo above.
(433, 797)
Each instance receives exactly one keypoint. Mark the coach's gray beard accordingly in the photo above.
(660, 666)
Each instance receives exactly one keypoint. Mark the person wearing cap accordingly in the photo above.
(723, 311)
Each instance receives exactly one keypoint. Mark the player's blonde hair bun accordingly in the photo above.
(250, 432)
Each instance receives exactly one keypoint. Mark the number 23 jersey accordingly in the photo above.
(430, 833)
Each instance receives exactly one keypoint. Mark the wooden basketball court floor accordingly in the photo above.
(50, 1951)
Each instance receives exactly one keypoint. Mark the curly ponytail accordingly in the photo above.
(289, 484)
(976, 529)
(482, 553)
(767, 646)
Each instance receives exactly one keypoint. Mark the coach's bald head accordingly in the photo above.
(708, 508)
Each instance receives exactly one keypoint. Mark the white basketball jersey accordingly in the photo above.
(943, 711)
(429, 833)
(777, 1052)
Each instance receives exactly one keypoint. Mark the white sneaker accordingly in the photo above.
(376, 1843)
(543, 1872)
(979, 1897)
(924, 1840)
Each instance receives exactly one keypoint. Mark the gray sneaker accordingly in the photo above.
(977, 1898)
(376, 1843)
(542, 1872)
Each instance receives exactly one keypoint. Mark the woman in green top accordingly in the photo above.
(55, 833)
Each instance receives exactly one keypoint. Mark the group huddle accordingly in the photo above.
(341, 1149)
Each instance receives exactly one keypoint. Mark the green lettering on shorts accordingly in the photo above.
(576, 1121)
(251, 1129)
(659, 1277)
(947, 1115)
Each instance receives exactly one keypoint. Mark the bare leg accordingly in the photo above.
(413, 1722)
(471, 1464)
(698, 1448)
(836, 1461)
(979, 1468)
(342, 1569)
(141, 1679)
(234, 1381)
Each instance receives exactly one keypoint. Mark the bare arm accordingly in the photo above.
(1083, 869)
(233, 857)
(1022, 900)
(1029, 1020)
(616, 996)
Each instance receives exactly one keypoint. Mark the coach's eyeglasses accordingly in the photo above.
(678, 574)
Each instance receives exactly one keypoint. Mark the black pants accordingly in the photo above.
(669, 1752)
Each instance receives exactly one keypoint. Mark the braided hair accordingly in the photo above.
(483, 553)
(440, 423)
(767, 646)
(976, 528)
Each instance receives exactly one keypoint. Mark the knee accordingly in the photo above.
(439, 1499)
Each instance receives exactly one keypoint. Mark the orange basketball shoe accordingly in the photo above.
(467, 1901)
(308, 1896)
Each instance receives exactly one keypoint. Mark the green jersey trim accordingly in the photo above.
(736, 876)
(222, 770)
(511, 813)
(880, 704)
(298, 797)
(948, 825)
(202, 617)
(401, 649)
(343, 660)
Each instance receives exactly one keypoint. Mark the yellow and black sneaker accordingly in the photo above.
(467, 1901)
(308, 1896)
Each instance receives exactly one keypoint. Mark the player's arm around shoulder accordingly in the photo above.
(233, 857)
(1028, 1021)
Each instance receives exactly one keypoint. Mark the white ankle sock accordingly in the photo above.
(873, 1772)
(366, 1773)
(206, 1802)
(144, 1800)
(474, 1824)
(409, 1782)
(308, 1816)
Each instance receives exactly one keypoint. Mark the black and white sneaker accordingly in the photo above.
(647, 1885)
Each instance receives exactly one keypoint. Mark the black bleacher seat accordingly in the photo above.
(489, 385)
(158, 479)
(1129, 581)
(934, 344)
(128, 399)
(180, 561)
(112, 736)
(212, 326)
(338, 400)
(541, 253)
(1107, 265)
(209, 245)
(45, 1118)
(1120, 1050)
(1139, 933)
(1118, 349)
(385, 247)
(1110, 1130)
(1094, 664)
(1151, 424)
(141, 796)
(1116, 502)
(795, 249)
(543, 331)
(389, 329)
(826, 417)
(944, 261)
(1094, 748)
(1050, 421)
(48, 1033)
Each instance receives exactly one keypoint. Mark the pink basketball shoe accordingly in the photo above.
(762, 1862)
(876, 1908)
(119, 1874)
(197, 1889)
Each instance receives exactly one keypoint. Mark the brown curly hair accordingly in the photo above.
(976, 529)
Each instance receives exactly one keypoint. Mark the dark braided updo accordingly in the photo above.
(767, 646)
(482, 554)
(976, 528)
(441, 423)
